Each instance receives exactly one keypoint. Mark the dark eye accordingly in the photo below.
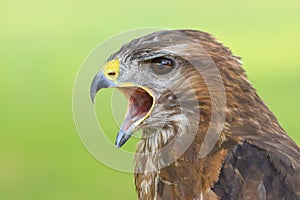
(162, 65)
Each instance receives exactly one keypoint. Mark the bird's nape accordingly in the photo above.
(252, 158)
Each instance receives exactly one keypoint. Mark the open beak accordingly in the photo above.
(140, 99)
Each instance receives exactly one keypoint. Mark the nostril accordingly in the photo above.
(111, 73)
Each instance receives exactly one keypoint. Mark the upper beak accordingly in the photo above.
(107, 78)
(99, 82)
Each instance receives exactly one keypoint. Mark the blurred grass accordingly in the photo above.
(43, 44)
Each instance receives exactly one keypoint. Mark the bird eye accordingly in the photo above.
(162, 65)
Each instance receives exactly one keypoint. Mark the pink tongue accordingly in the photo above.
(132, 113)
(138, 108)
(139, 104)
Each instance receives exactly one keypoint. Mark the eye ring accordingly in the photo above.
(162, 65)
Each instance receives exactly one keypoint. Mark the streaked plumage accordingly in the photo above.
(253, 158)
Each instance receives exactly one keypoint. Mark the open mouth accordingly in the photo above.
(140, 105)
(140, 100)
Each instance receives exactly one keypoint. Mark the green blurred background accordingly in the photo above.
(43, 44)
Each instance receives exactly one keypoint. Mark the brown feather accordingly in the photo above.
(253, 159)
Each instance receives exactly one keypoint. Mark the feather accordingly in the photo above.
(253, 157)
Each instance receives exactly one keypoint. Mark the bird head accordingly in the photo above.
(164, 77)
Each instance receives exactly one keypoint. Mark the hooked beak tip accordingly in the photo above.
(99, 82)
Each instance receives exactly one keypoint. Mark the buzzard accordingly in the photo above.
(206, 132)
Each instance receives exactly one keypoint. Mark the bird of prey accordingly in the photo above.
(173, 81)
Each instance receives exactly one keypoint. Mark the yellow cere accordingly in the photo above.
(111, 69)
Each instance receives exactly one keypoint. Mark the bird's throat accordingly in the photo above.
(178, 178)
